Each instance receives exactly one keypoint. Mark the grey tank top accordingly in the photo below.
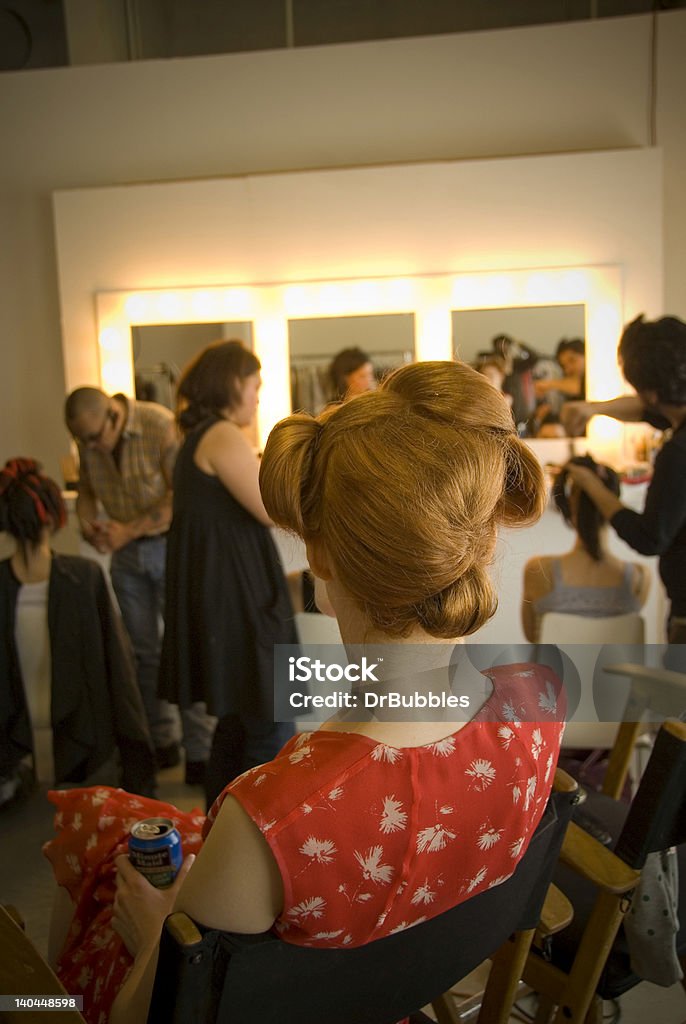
(595, 602)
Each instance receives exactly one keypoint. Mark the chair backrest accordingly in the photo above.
(225, 977)
(560, 628)
(657, 817)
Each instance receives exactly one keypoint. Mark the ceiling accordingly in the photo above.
(56, 33)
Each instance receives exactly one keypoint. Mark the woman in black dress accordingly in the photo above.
(227, 601)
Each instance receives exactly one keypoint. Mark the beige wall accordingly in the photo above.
(582, 86)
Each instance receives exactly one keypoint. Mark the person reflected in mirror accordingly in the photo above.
(415, 814)
(571, 356)
(227, 600)
(71, 705)
(652, 355)
(493, 368)
(351, 373)
(519, 360)
(588, 580)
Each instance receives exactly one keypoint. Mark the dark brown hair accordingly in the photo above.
(211, 382)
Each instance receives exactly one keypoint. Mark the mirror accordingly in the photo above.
(161, 352)
(388, 340)
(517, 348)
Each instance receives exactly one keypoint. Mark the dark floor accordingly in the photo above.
(26, 882)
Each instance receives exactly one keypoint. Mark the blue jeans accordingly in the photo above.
(138, 571)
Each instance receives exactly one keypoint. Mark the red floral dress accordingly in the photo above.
(370, 839)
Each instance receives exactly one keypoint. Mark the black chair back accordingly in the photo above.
(260, 979)
(657, 817)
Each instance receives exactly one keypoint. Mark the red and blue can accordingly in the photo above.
(155, 850)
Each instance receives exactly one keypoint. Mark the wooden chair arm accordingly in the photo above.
(595, 862)
(645, 672)
(182, 929)
(24, 972)
(557, 912)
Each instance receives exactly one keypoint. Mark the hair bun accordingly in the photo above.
(462, 608)
(290, 452)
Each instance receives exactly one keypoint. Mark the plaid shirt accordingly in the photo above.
(144, 473)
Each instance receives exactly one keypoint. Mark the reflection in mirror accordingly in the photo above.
(535, 354)
(387, 339)
(161, 351)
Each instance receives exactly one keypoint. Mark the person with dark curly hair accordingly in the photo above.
(588, 580)
(69, 693)
(653, 359)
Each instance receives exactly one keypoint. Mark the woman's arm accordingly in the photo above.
(235, 884)
(225, 452)
(138, 917)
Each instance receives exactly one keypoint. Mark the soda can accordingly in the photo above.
(155, 850)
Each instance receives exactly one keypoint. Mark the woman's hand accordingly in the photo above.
(584, 477)
(139, 908)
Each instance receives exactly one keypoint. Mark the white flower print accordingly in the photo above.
(516, 847)
(536, 743)
(105, 821)
(313, 906)
(260, 779)
(84, 977)
(404, 925)
(383, 753)
(320, 850)
(371, 865)
(530, 790)
(91, 841)
(299, 754)
(488, 837)
(77, 821)
(73, 862)
(498, 880)
(59, 818)
(477, 879)
(363, 897)
(548, 701)
(516, 793)
(327, 935)
(307, 808)
(446, 809)
(99, 797)
(394, 818)
(268, 824)
(510, 713)
(482, 771)
(506, 735)
(548, 766)
(423, 894)
(336, 794)
(433, 838)
(347, 939)
(527, 673)
(444, 747)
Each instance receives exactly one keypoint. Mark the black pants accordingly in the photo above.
(241, 742)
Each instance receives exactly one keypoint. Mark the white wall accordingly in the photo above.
(581, 86)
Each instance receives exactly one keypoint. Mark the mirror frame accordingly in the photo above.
(430, 298)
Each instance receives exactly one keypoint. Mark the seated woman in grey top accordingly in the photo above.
(588, 580)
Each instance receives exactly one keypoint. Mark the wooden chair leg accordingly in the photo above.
(506, 971)
(545, 1008)
(445, 1009)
